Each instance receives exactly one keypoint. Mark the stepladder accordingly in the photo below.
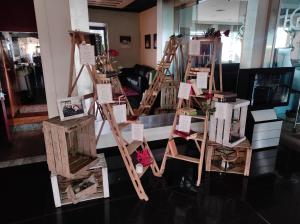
(198, 104)
(163, 69)
(130, 149)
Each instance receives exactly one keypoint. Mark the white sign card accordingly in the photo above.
(104, 92)
(184, 90)
(120, 113)
(221, 110)
(184, 123)
(202, 80)
(194, 48)
(87, 54)
(137, 132)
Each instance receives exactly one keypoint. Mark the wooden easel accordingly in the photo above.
(127, 150)
(184, 106)
(163, 69)
(78, 38)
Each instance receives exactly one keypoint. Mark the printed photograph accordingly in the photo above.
(72, 107)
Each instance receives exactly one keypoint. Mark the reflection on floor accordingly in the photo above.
(27, 197)
(27, 147)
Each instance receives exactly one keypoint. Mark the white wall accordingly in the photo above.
(148, 25)
(120, 23)
(54, 20)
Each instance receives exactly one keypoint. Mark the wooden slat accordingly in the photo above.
(133, 146)
(185, 158)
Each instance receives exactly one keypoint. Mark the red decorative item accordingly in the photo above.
(209, 96)
(217, 33)
(113, 53)
(144, 157)
(226, 33)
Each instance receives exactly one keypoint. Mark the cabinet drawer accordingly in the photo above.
(266, 134)
(275, 125)
(265, 143)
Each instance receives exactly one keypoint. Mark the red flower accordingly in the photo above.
(226, 33)
(113, 53)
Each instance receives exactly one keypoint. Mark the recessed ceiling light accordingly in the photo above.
(220, 10)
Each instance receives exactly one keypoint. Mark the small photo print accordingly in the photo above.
(148, 41)
(71, 107)
(125, 41)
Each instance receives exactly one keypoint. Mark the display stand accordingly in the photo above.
(127, 150)
(163, 69)
(195, 65)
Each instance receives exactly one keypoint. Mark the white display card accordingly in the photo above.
(202, 80)
(120, 113)
(87, 54)
(194, 48)
(184, 90)
(104, 92)
(137, 132)
(184, 123)
(221, 110)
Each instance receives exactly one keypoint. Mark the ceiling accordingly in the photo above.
(123, 5)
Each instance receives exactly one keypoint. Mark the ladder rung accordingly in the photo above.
(146, 106)
(185, 158)
(199, 96)
(200, 69)
(196, 136)
(154, 93)
(133, 146)
(198, 117)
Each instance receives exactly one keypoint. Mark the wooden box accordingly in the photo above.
(229, 160)
(230, 131)
(81, 189)
(61, 184)
(70, 145)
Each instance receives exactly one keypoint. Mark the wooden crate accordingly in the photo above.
(223, 131)
(70, 145)
(219, 159)
(98, 170)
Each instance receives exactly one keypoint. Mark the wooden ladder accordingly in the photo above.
(128, 149)
(195, 64)
(163, 69)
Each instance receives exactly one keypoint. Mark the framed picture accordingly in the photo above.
(71, 107)
(154, 40)
(148, 41)
(125, 41)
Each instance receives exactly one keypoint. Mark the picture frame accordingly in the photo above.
(125, 41)
(154, 41)
(71, 107)
(148, 41)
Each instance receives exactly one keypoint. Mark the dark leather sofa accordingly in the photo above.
(136, 78)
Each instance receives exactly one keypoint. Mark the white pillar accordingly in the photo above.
(255, 35)
(54, 19)
(165, 24)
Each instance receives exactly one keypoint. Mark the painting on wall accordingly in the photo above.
(148, 41)
(154, 40)
(125, 41)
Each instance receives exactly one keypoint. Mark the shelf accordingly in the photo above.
(79, 161)
(185, 158)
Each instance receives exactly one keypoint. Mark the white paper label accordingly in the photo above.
(104, 92)
(184, 90)
(221, 110)
(184, 123)
(87, 54)
(194, 48)
(202, 80)
(137, 132)
(120, 113)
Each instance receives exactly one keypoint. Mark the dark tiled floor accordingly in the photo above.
(26, 197)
